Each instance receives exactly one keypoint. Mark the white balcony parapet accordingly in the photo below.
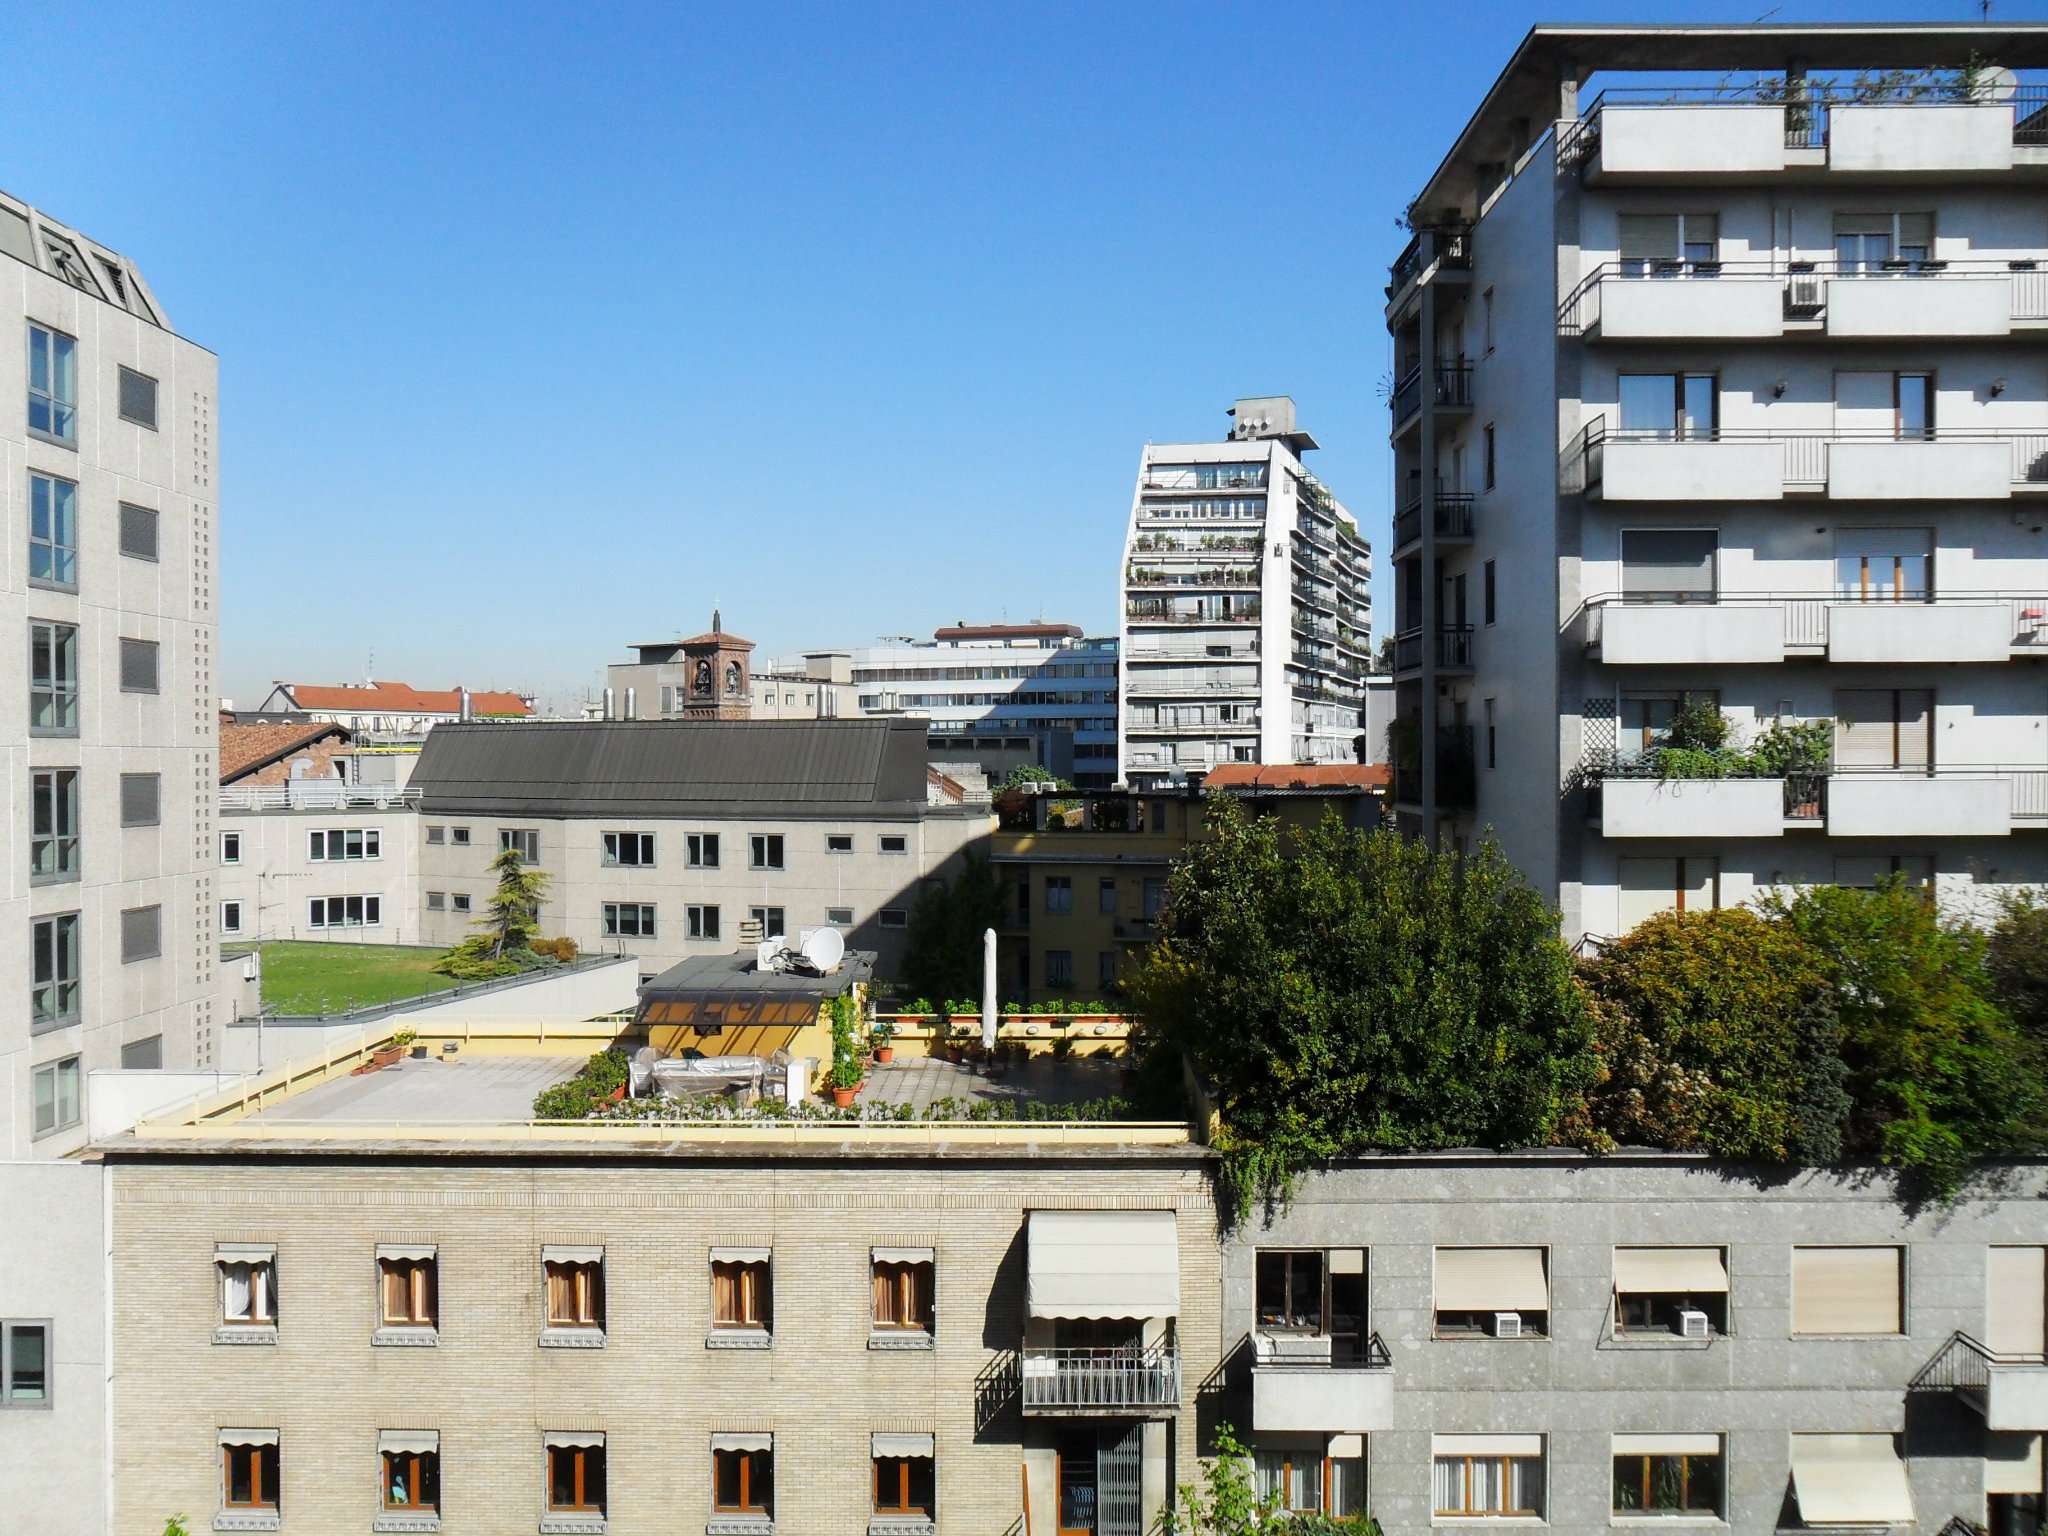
(1956, 630)
(1298, 1388)
(1863, 469)
(1923, 138)
(1657, 469)
(317, 795)
(1908, 803)
(1738, 628)
(1670, 808)
(1680, 634)
(1677, 300)
(1859, 307)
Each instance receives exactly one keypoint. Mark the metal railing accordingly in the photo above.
(316, 795)
(1152, 614)
(1453, 647)
(1367, 1354)
(1804, 283)
(1807, 613)
(1105, 1379)
(1452, 514)
(1962, 1364)
(1453, 386)
(1449, 249)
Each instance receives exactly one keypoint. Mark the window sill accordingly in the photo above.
(1661, 1520)
(405, 1338)
(52, 440)
(901, 1525)
(1660, 1341)
(37, 584)
(738, 1338)
(245, 1333)
(899, 1338)
(572, 1525)
(254, 1520)
(572, 1338)
(1487, 1338)
(740, 1525)
(400, 1520)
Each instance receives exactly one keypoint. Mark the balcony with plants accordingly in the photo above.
(1694, 781)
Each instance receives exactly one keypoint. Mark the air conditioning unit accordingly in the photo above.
(1693, 1324)
(1507, 1325)
(1805, 295)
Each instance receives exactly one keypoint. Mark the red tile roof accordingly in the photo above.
(1275, 776)
(246, 746)
(404, 699)
(718, 637)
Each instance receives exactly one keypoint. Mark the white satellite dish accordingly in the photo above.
(1996, 84)
(823, 949)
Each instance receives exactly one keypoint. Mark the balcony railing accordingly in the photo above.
(1807, 793)
(316, 795)
(1804, 283)
(1316, 1351)
(1452, 515)
(1807, 613)
(1453, 648)
(1453, 387)
(1154, 613)
(1449, 249)
(1101, 1380)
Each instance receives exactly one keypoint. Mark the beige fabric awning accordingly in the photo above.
(248, 1437)
(1345, 1447)
(405, 1251)
(1850, 1480)
(1103, 1264)
(2012, 1463)
(751, 1441)
(740, 1255)
(416, 1441)
(572, 1439)
(902, 1445)
(244, 1253)
(1347, 1261)
(1667, 1445)
(1491, 1280)
(903, 1255)
(1486, 1445)
(1696, 1271)
(555, 1253)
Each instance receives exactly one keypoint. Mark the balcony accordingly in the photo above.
(1941, 802)
(1986, 800)
(1300, 1386)
(1431, 254)
(1692, 808)
(1451, 513)
(316, 795)
(1140, 1381)
(1457, 777)
(1453, 652)
(1453, 391)
(1760, 628)
(1159, 613)
(2010, 1390)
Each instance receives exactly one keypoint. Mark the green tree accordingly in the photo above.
(512, 916)
(2017, 955)
(1025, 774)
(942, 949)
(1227, 1503)
(1344, 990)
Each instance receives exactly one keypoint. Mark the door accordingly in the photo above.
(1884, 728)
(1119, 1481)
(1076, 1470)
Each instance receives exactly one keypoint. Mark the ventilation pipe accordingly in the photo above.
(608, 704)
(632, 698)
(463, 709)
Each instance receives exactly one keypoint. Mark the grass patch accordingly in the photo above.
(301, 977)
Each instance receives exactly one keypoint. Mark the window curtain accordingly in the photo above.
(239, 1292)
(1450, 1483)
(885, 1312)
(561, 1294)
(1525, 1483)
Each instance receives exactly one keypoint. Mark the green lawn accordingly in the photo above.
(331, 978)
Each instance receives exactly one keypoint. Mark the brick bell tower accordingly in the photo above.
(720, 687)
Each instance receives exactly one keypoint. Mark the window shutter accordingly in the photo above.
(1863, 728)
(138, 666)
(140, 796)
(1667, 561)
(1846, 1290)
(138, 398)
(2017, 1301)
(138, 532)
(141, 933)
(1649, 237)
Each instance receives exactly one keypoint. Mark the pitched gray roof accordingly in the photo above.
(653, 768)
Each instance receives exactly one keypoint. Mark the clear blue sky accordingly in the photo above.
(544, 328)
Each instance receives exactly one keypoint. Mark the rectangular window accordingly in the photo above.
(1290, 1478)
(231, 847)
(138, 398)
(575, 1288)
(1492, 737)
(248, 1287)
(140, 797)
(437, 901)
(1669, 565)
(702, 850)
(902, 1293)
(458, 836)
(839, 842)
(1670, 244)
(1884, 728)
(893, 917)
(703, 921)
(1488, 592)
(52, 679)
(1105, 969)
(437, 835)
(408, 1285)
(347, 911)
(1491, 462)
(1871, 243)
(1154, 897)
(1486, 305)
(138, 532)
(628, 920)
(770, 919)
(740, 1294)
(893, 842)
(53, 957)
(576, 1475)
(629, 850)
(1059, 967)
(1105, 897)
(764, 851)
(1848, 1290)
(1884, 565)
(52, 386)
(139, 671)
(231, 917)
(1488, 1476)
(25, 1364)
(333, 845)
(904, 1486)
(524, 841)
(459, 900)
(144, 1055)
(412, 1477)
(1667, 1475)
(1669, 407)
(1665, 1291)
(58, 1091)
(1498, 1292)
(52, 533)
(1866, 871)
(249, 1474)
(742, 1480)
(53, 840)
(1059, 894)
(839, 917)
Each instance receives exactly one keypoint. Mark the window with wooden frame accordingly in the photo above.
(740, 1293)
(743, 1475)
(576, 1474)
(1289, 1479)
(248, 1286)
(902, 1291)
(1314, 1291)
(1488, 1476)
(904, 1485)
(249, 1468)
(410, 1470)
(575, 1286)
(408, 1288)
(1667, 1475)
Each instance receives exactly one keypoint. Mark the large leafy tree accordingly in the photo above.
(942, 950)
(1344, 990)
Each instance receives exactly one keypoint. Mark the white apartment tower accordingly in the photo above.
(1735, 393)
(1247, 616)
(107, 714)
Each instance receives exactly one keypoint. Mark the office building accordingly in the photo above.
(1247, 618)
(1734, 392)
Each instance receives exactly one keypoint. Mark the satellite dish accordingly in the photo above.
(823, 948)
(1996, 84)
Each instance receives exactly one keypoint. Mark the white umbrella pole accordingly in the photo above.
(988, 988)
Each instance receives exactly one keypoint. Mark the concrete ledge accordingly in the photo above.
(572, 1525)
(245, 1334)
(1712, 140)
(253, 1521)
(1895, 632)
(1879, 805)
(900, 1525)
(739, 1338)
(1690, 308)
(1648, 469)
(572, 1338)
(899, 1338)
(740, 1525)
(1681, 634)
(1923, 471)
(1682, 808)
(1920, 137)
(1919, 306)
(396, 1522)
(406, 1338)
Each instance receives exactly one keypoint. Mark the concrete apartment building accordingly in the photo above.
(1740, 392)
(665, 839)
(107, 433)
(1247, 617)
(381, 707)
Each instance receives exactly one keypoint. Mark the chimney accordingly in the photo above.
(463, 710)
(632, 703)
(608, 704)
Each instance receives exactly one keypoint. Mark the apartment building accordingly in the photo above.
(1247, 610)
(1737, 393)
(382, 707)
(667, 839)
(107, 433)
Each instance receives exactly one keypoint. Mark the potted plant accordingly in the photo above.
(409, 1039)
(883, 1035)
(845, 1081)
(387, 1054)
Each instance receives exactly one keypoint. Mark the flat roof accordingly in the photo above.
(441, 1090)
(716, 992)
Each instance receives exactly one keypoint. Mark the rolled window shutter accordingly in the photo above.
(1846, 1290)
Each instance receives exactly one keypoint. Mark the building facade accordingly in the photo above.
(1735, 395)
(1247, 617)
(384, 708)
(108, 435)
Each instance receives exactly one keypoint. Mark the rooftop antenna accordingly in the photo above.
(370, 677)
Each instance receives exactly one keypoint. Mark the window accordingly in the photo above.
(893, 917)
(57, 1090)
(141, 794)
(1488, 592)
(770, 919)
(628, 920)
(231, 917)
(1884, 728)
(1867, 243)
(524, 841)
(52, 533)
(52, 679)
(1884, 565)
(138, 666)
(1670, 244)
(1492, 737)
(764, 851)
(1488, 1475)
(1315, 1292)
(437, 835)
(1665, 1291)
(839, 917)
(437, 901)
(630, 850)
(904, 1485)
(703, 921)
(1669, 565)
(1848, 1290)
(1154, 897)
(138, 398)
(138, 532)
(25, 1364)
(1486, 307)
(740, 1289)
(52, 386)
(249, 1468)
(1669, 407)
(1105, 968)
(1866, 871)
(1059, 967)
(576, 1474)
(895, 842)
(248, 1285)
(411, 1466)
(459, 900)
(839, 842)
(53, 840)
(1896, 405)
(1502, 1292)
(1059, 894)
(53, 994)
(743, 1474)
(144, 1055)
(1667, 1475)
(1105, 897)
(231, 847)
(351, 911)
(575, 1286)
(408, 1287)
(142, 934)
(703, 850)
(1491, 461)
(903, 1289)
(458, 837)
(1290, 1478)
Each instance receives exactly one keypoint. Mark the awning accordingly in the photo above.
(903, 1445)
(405, 1251)
(740, 1255)
(248, 1437)
(1850, 1480)
(572, 1439)
(1697, 1271)
(1345, 1447)
(745, 1442)
(244, 1253)
(1491, 1280)
(1667, 1445)
(418, 1442)
(1103, 1264)
(903, 1256)
(1486, 1445)
(553, 1253)
(2012, 1463)
(1347, 1261)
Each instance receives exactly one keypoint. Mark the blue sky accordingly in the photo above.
(543, 329)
